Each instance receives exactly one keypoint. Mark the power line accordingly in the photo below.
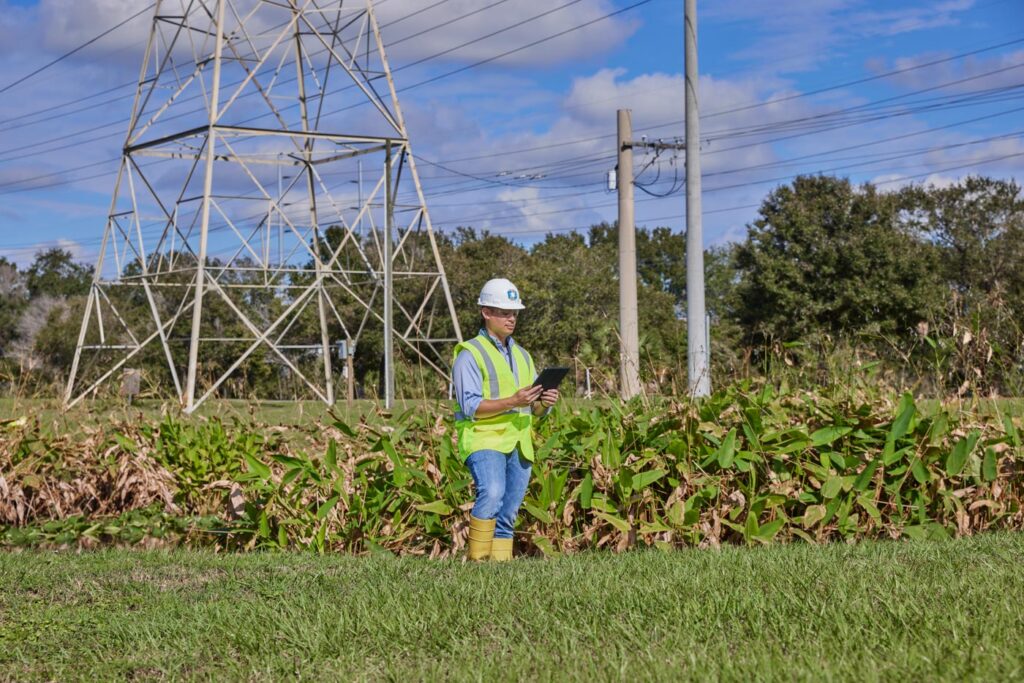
(714, 114)
(290, 79)
(600, 137)
(848, 109)
(491, 181)
(134, 83)
(71, 112)
(479, 63)
(74, 50)
(752, 106)
(877, 156)
(867, 79)
(752, 183)
(764, 181)
(491, 217)
(970, 98)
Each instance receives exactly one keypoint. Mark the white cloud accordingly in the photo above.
(64, 24)
(479, 123)
(59, 25)
(976, 73)
(537, 217)
(24, 255)
(28, 176)
(586, 43)
(940, 181)
(797, 35)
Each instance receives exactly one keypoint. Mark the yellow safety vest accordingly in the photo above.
(508, 430)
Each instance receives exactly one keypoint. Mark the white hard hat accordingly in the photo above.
(500, 293)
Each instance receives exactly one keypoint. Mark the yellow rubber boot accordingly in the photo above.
(501, 549)
(481, 535)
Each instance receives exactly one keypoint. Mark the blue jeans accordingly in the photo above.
(501, 480)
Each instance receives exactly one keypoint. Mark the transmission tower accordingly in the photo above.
(241, 242)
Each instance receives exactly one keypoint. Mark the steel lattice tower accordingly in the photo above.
(240, 239)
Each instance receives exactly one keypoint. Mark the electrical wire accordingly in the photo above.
(67, 54)
(510, 230)
(973, 52)
(604, 137)
(464, 68)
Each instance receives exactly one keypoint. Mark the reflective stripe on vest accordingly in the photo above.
(486, 363)
(508, 430)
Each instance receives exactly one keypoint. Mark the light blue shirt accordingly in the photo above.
(469, 381)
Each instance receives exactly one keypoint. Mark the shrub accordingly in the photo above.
(751, 464)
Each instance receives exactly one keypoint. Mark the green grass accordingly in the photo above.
(272, 412)
(55, 420)
(286, 413)
(875, 611)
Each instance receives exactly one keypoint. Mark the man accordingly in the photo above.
(493, 377)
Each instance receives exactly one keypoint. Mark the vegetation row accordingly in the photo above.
(752, 464)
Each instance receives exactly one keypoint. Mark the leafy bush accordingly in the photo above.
(749, 465)
(745, 466)
(202, 455)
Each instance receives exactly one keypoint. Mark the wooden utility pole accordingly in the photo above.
(629, 333)
(629, 327)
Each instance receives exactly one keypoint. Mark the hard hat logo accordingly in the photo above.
(513, 295)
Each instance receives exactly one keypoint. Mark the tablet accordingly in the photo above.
(550, 378)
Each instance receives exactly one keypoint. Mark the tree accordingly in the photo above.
(55, 273)
(47, 333)
(720, 280)
(660, 256)
(979, 225)
(827, 257)
(472, 258)
(572, 296)
(13, 299)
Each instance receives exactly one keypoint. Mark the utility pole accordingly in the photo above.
(629, 327)
(697, 345)
(629, 333)
(389, 292)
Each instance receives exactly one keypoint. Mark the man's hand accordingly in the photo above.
(525, 396)
(489, 407)
(549, 397)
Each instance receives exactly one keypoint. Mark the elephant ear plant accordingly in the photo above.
(757, 466)
(748, 465)
(396, 487)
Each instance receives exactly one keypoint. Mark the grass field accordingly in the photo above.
(287, 413)
(270, 412)
(875, 611)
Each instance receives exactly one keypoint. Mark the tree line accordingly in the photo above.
(918, 287)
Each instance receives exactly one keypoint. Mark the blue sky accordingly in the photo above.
(779, 95)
